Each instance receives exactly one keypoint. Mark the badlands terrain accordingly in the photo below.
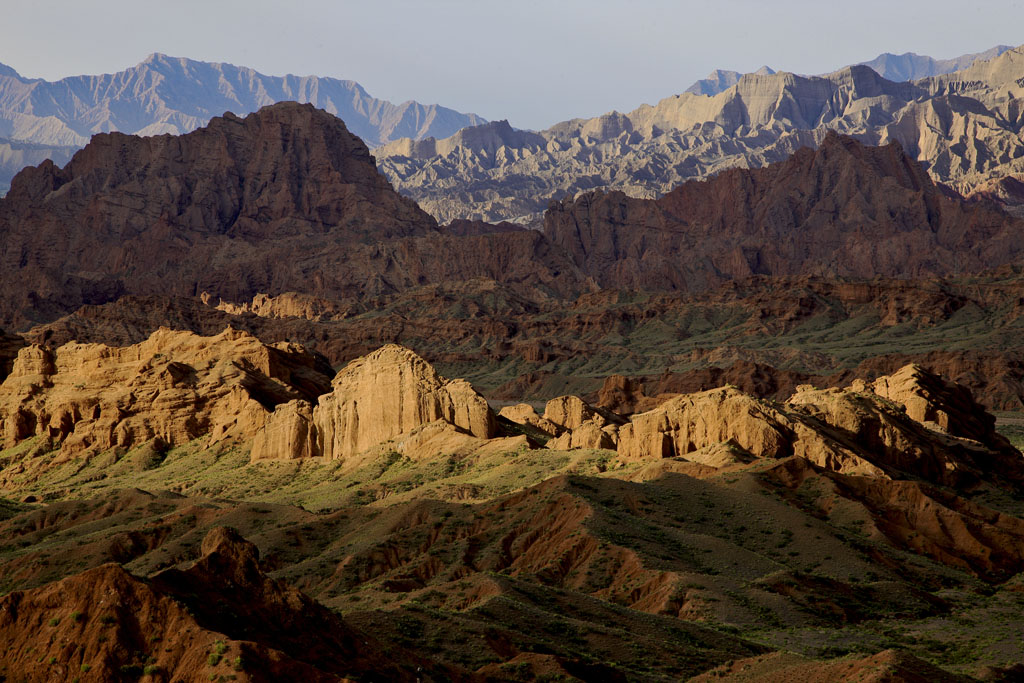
(263, 417)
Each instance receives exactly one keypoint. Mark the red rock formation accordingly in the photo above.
(220, 617)
(844, 210)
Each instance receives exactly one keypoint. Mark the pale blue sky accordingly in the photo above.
(534, 62)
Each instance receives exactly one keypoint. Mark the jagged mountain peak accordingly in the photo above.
(9, 71)
(911, 66)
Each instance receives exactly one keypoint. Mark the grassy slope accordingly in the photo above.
(732, 551)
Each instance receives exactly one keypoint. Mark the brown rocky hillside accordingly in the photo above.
(284, 199)
(843, 210)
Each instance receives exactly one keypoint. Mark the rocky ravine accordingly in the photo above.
(495, 173)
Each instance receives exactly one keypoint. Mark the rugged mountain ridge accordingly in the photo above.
(164, 94)
(908, 66)
(760, 119)
(270, 203)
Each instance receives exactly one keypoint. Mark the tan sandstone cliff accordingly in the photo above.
(386, 394)
(879, 431)
(172, 388)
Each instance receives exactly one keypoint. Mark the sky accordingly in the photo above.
(533, 62)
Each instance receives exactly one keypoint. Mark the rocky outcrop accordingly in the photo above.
(689, 423)
(931, 399)
(289, 433)
(290, 305)
(524, 414)
(758, 118)
(390, 392)
(853, 431)
(374, 400)
(592, 434)
(581, 425)
(568, 412)
(874, 207)
(171, 389)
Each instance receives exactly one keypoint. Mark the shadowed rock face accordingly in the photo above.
(844, 210)
(255, 202)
